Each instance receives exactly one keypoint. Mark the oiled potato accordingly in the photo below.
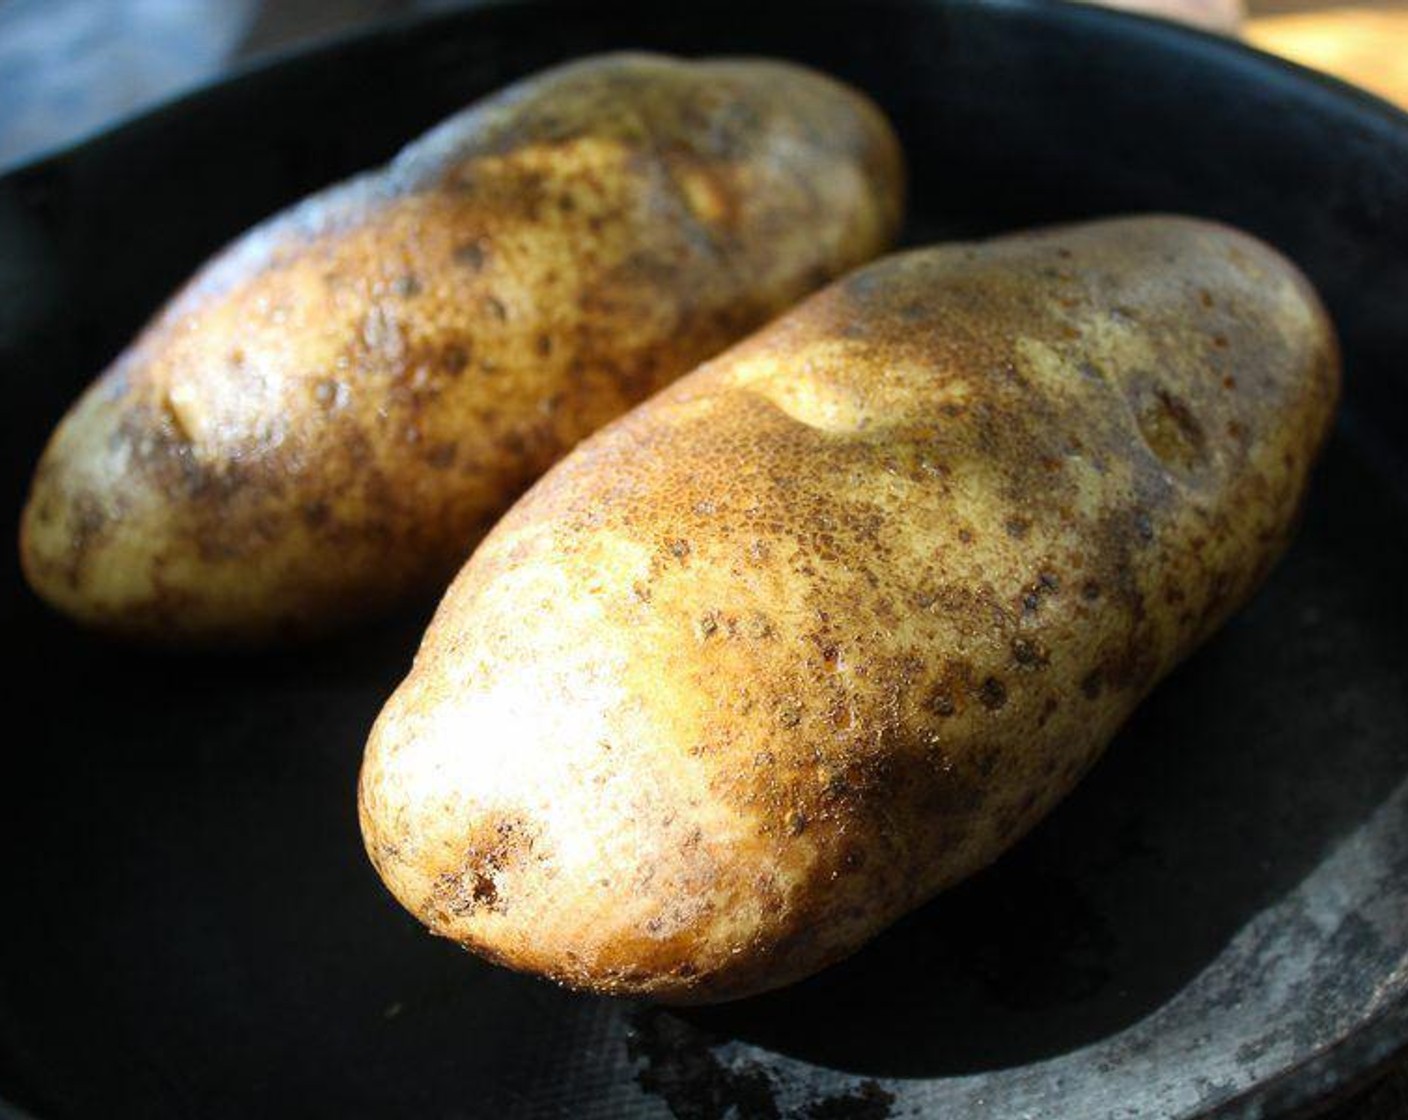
(326, 419)
(831, 622)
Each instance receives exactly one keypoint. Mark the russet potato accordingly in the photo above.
(327, 417)
(828, 624)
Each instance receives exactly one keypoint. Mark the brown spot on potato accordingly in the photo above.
(1172, 432)
(455, 358)
(472, 254)
(1030, 653)
(89, 521)
(942, 701)
(442, 455)
(758, 626)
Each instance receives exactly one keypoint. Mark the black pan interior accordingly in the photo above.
(1215, 923)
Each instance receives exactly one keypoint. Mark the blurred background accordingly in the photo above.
(68, 67)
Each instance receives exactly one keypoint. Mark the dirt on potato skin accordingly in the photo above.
(335, 409)
(832, 622)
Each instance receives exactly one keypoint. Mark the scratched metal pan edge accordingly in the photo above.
(1215, 924)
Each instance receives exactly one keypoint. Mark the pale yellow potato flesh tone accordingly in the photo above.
(327, 418)
(830, 623)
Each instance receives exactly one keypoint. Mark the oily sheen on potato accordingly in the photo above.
(831, 622)
(326, 419)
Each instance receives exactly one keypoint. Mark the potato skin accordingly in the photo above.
(831, 622)
(324, 421)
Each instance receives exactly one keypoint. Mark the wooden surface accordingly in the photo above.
(1366, 44)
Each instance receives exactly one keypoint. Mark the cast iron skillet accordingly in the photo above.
(1215, 924)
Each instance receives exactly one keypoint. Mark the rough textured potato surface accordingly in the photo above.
(831, 622)
(330, 414)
